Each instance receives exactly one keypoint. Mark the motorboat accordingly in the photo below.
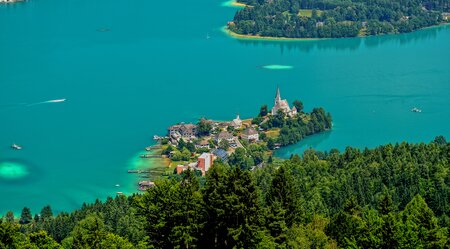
(415, 109)
(16, 147)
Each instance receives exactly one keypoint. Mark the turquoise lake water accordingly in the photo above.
(130, 69)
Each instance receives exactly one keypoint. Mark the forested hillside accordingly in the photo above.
(336, 18)
(393, 196)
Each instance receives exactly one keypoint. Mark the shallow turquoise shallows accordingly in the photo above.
(130, 69)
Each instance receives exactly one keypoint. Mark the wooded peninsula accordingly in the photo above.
(336, 18)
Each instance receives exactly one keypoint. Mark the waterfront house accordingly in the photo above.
(250, 134)
(185, 131)
(282, 104)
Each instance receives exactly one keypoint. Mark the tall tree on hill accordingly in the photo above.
(421, 226)
(233, 207)
(264, 110)
(203, 128)
(26, 216)
(189, 214)
(9, 217)
(283, 193)
(298, 105)
(46, 213)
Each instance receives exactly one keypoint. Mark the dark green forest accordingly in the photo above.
(392, 196)
(336, 18)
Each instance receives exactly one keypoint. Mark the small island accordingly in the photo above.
(247, 143)
(285, 19)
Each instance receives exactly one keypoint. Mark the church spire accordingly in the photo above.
(278, 96)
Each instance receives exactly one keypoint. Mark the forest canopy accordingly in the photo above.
(393, 196)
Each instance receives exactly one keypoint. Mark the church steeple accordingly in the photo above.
(278, 96)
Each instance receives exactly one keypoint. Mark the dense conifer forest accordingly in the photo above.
(393, 196)
(336, 18)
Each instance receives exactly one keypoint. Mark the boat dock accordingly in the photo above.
(154, 147)
(150, 156)
(138, 171)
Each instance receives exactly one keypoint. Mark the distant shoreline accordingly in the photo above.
(270, 38)
(10, 1)
(267, 38)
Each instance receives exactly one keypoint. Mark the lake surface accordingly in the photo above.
(130, 69)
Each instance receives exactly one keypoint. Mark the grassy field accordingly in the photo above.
(273, 133)
(308, 13)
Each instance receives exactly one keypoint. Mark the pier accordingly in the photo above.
(150, 156)
(154, 147)
(138, 171)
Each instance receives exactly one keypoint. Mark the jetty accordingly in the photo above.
(150, 156)
(154, 147)
(138, 171)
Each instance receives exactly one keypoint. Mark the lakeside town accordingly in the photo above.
(247, 143)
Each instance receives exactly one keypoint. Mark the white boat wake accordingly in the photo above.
(48, 102)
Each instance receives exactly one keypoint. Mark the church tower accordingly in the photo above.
(277, 96)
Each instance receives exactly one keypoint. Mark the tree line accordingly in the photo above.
(392, 196)
(336, 18)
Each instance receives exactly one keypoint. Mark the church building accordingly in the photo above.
(282, 104)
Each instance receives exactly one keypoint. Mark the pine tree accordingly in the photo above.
(46, 213)
(26, 216)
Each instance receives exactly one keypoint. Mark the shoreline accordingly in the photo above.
(235, 35)
(234, 3)
(232, 34)
(10, 1)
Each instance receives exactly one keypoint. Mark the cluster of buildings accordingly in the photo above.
(230, 132)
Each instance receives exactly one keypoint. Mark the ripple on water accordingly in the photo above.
(13, 170)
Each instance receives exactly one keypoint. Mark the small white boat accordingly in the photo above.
(117, 185)
(16, 147)
(208, 37)
(57, 100)
(415, 109)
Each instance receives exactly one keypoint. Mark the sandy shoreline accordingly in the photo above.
(269, 38)
(234, 3)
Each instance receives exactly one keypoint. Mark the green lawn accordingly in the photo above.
(273, 133)
(308, 13)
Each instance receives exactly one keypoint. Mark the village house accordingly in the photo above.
(225, 135)
(203, 144)
(180, 168)
(282, 104)
(221, 154)
(250, 134)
